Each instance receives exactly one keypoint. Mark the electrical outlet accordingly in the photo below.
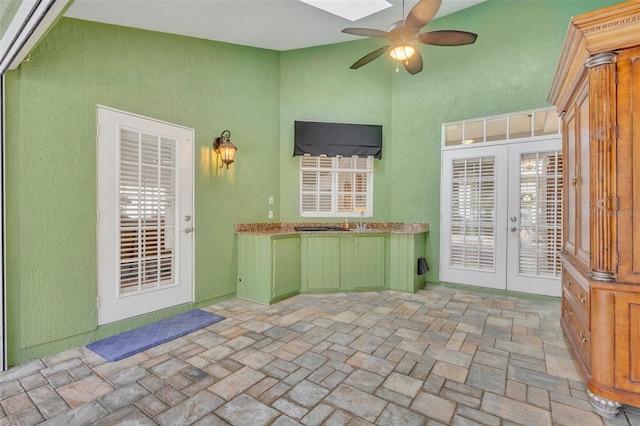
(270, 201)
(270, 214)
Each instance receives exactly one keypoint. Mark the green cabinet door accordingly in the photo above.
(368, 264)
(253, 269)
(268, 267)
(320, 263)
(286, 267)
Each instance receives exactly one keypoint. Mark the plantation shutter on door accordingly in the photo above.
(540, 236)
(147, 225)
(473, 207)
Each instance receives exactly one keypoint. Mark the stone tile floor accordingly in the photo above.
(440, 356)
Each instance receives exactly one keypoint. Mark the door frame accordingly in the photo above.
(103, 199)
(487, 279)
(503, 183)
(521, 282)
(3, 246)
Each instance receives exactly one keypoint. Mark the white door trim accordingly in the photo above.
(505, 275)
(3, 246)
(516, 281)
(485, 278)
(116, 302)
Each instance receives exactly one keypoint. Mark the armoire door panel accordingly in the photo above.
(628, 213)
(582, 175)
(627, 332)
(569, 177)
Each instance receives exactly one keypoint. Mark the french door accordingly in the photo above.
(145, 215)
(501, 216)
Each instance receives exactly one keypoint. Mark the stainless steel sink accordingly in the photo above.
(319, 228)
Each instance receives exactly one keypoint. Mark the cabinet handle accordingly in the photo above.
(583, 337)
(569, 283)
(582, 298)
(568, 311)
(575, 180)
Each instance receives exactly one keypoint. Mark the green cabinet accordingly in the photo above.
(320, 263)
(285, 258)
(404, 251)
(366, 269)
(268, 267)
(271, 268)
(345, 262)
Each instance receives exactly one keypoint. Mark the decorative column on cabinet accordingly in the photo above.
(602, 162)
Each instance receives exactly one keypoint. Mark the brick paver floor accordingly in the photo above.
(440, 356)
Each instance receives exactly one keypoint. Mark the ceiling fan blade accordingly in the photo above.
(414, 63)
(447, 38)
(370, 57)
(422, 13)
(366, 32)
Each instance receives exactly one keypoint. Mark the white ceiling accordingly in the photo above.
(270, 24)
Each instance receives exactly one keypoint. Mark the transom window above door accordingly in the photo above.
(505, 127)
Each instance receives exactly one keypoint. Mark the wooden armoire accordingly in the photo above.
(596, 90)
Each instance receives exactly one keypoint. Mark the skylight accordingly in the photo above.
(349, 9)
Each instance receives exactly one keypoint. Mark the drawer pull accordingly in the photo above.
(583, 299)
(568, 311)
(569, 283)
(583, 337)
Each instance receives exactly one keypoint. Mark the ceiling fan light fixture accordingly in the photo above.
(402, 52)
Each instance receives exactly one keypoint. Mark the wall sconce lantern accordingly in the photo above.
(224, 148)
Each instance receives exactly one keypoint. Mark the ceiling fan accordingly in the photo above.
(404, 33)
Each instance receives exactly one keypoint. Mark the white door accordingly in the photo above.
(474, 188)
(145, 215)
(501, 219)
(535, 217)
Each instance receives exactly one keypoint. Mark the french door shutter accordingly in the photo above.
(147, 211)
(473, 206)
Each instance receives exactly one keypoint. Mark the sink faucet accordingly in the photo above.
(361, 216)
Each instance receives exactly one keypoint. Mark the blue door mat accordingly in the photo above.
(140, 339)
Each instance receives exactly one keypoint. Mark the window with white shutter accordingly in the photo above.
(336, 186)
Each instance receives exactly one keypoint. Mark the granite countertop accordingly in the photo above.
(289, 228)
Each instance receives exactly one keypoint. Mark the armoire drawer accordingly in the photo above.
(580, 293)
(578, 327)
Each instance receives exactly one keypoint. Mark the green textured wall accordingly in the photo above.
(51, 165)
(257, 94)
(509, 68)
(317, 85)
